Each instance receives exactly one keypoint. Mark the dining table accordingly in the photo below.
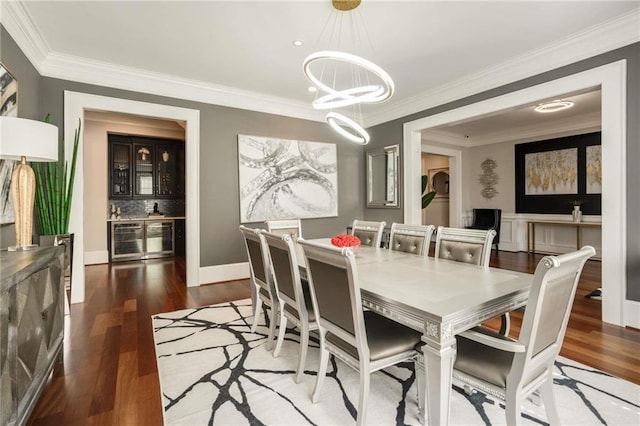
(440, 298)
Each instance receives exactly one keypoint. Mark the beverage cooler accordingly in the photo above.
(143, 239)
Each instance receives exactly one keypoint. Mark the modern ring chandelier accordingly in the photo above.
(345, 79)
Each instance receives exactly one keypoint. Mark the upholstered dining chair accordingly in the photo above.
(362, 339)
(510, 369)
(264, 290)
(370, 233)
(294, 298)
(285, 226)
(487, 219)
(414, 239)
(468, 246)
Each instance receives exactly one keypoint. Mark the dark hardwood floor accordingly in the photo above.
(108, 375)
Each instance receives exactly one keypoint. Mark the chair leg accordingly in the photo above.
(365, 378)
(304, 344)
(513, 405)
(281, 331)
(322, 369)
(256, 315)
(272, 326)
(549, 399)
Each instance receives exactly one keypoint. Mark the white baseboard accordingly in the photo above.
(219, 273)
(632, 313)
(96, 257)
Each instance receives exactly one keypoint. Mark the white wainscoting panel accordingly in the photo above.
(549, 239)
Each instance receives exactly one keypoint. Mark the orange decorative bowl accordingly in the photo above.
(345, 240)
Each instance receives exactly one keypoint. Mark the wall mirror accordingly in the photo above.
(439, 181)
(382, 177)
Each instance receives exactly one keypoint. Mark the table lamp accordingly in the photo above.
(26, 140)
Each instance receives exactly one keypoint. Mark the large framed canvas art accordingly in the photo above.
(8, 107)
(283, 178)
(555, 174)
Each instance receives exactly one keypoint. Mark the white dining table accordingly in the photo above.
(440, 298)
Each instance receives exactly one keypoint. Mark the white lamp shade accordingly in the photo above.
(35, 140)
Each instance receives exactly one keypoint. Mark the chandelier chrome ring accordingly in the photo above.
(338, 122)
(346, 97)
(331, 55)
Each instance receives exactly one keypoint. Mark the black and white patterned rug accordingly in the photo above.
(213, 370)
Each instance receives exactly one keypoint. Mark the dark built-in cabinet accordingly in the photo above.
(142, 167)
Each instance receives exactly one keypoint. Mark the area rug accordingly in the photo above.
(213, 370)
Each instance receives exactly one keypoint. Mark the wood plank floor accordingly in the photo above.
(109, 376)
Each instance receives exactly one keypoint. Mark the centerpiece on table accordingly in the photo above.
(345, 240)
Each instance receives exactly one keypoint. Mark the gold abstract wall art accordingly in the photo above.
(551, 172)
(594, 169)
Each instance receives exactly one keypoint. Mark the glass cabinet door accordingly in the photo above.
(120, 169)
(143, 153)
(166, 160)
(127, 240)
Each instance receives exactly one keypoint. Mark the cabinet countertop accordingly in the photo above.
(138, 219)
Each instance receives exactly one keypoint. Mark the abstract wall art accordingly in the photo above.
(553, 174)
(8, 107)
(594, 169)
(283, 178)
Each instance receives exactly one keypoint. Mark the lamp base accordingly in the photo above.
(23, 248)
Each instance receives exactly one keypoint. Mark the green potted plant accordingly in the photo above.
(429, 196)
(54, 193)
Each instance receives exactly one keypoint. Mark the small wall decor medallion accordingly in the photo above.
(489, 178)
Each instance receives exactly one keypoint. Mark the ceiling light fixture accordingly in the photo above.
(346, 79)
(342, 124)
(553, 106)
(297, 43)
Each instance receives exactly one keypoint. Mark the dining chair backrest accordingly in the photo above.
(284, 263)
(285, 226)
(333, 282)
(512, 370)
(414, 239)
(550, 299)
(258, 261)
(464, 245)
(369, 233)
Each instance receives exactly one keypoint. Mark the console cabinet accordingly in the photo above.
(31, 327)
(142, 167)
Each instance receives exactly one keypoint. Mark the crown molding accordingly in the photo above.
(17, 21)
(67, 67)
(609, 35)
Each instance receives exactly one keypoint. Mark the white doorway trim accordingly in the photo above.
(455, 179)
(75, 104)
(611, 79)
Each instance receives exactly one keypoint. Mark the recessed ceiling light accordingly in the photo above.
(553, 106)
(298, 42)
(312, 89)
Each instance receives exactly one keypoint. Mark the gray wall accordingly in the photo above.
(221, 242)
(391, 132)
(28, 90)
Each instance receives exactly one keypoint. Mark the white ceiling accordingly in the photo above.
(524, 123)
(223, 49)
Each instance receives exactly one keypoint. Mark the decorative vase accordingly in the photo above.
(576, 214)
